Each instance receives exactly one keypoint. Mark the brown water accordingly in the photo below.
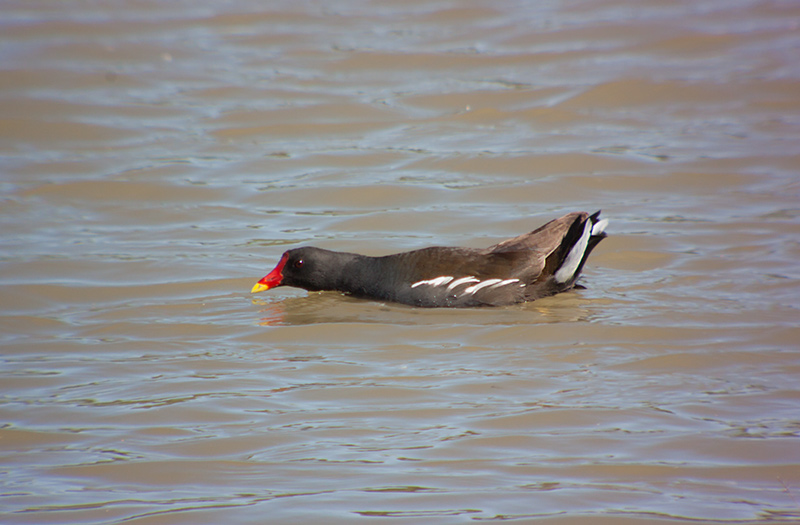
(157, 158)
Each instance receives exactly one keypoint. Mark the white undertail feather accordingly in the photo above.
(575, 256)
(599, 227)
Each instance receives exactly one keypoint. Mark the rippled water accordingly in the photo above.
(157, 157)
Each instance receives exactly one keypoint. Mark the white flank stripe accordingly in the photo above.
(570, 265)
(438, 281)
(483, 284)
(507, 281)
(463, 280)
(444, 279)
(599, 227)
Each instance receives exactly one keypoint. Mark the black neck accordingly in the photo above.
(361, 275)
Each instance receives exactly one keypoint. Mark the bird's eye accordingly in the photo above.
(298, 263)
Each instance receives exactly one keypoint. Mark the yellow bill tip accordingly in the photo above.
(259, 287)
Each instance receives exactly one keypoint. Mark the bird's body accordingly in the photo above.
(543, 262)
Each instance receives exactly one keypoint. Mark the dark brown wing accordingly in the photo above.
(544, 239)
(438, 261)
(541, 250)
(514, 270)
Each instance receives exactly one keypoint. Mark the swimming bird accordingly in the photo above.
(538, 264)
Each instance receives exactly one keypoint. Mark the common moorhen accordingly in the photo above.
(544, 262)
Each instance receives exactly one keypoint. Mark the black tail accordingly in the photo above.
(578, 243)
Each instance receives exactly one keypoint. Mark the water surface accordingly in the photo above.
(157, 158)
